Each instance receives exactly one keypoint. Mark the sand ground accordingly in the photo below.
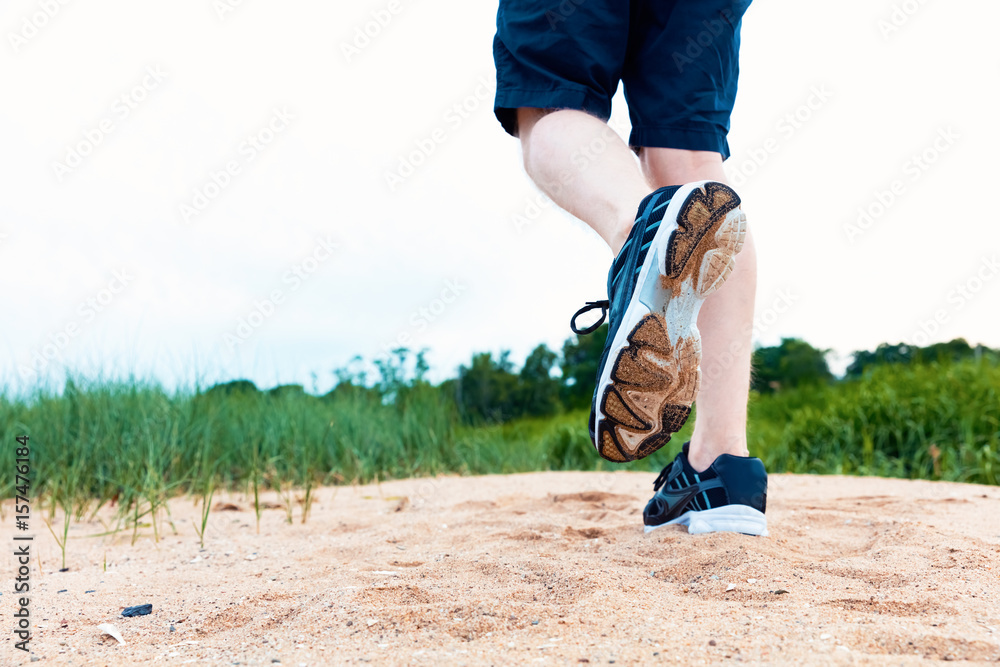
(545, 568)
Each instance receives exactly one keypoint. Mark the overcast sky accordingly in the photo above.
(204, 190)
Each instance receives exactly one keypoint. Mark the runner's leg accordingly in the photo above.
(725, 322)
(585, 168)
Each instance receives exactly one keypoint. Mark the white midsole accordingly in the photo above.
(650, 294)
(728, 518)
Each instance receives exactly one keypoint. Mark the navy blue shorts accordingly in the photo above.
(678, 61)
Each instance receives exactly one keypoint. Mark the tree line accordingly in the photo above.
(491, 389)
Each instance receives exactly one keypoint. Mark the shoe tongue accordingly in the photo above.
(620, 257)
(657, 197)
(650, 201)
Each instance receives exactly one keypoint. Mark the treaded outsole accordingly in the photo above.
(656, 376)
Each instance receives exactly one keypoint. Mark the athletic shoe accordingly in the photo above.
(681, 249)
(731, 495)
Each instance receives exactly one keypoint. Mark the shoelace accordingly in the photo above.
(664, 476)
(591, 305)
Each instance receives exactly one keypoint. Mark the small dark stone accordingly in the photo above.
(172, 628)
(711, 642)
(275, 660)
(535, 622)
(350, 623)
(64, 569)
(138, 610)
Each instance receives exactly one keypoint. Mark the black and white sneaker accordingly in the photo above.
(731, 495)
(681, 249)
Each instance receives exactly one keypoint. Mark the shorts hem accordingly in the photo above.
(680, 138)
(509, 100)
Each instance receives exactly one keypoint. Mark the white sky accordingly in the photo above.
(448, 229)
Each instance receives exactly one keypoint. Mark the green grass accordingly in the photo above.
(926, 421)
(137, 446)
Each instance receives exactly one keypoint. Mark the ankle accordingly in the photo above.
(702, 452)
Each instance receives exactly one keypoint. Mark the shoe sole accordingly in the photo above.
(652, 376)
(726, 519)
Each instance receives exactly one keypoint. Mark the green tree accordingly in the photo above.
(229, 388)
(485, 389)
(883, 354)
(901, 353)
(538, 391)
(793, 363)
(581, 356)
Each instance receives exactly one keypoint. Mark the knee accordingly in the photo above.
(674, 166)
(535, 145)
(527, 117)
